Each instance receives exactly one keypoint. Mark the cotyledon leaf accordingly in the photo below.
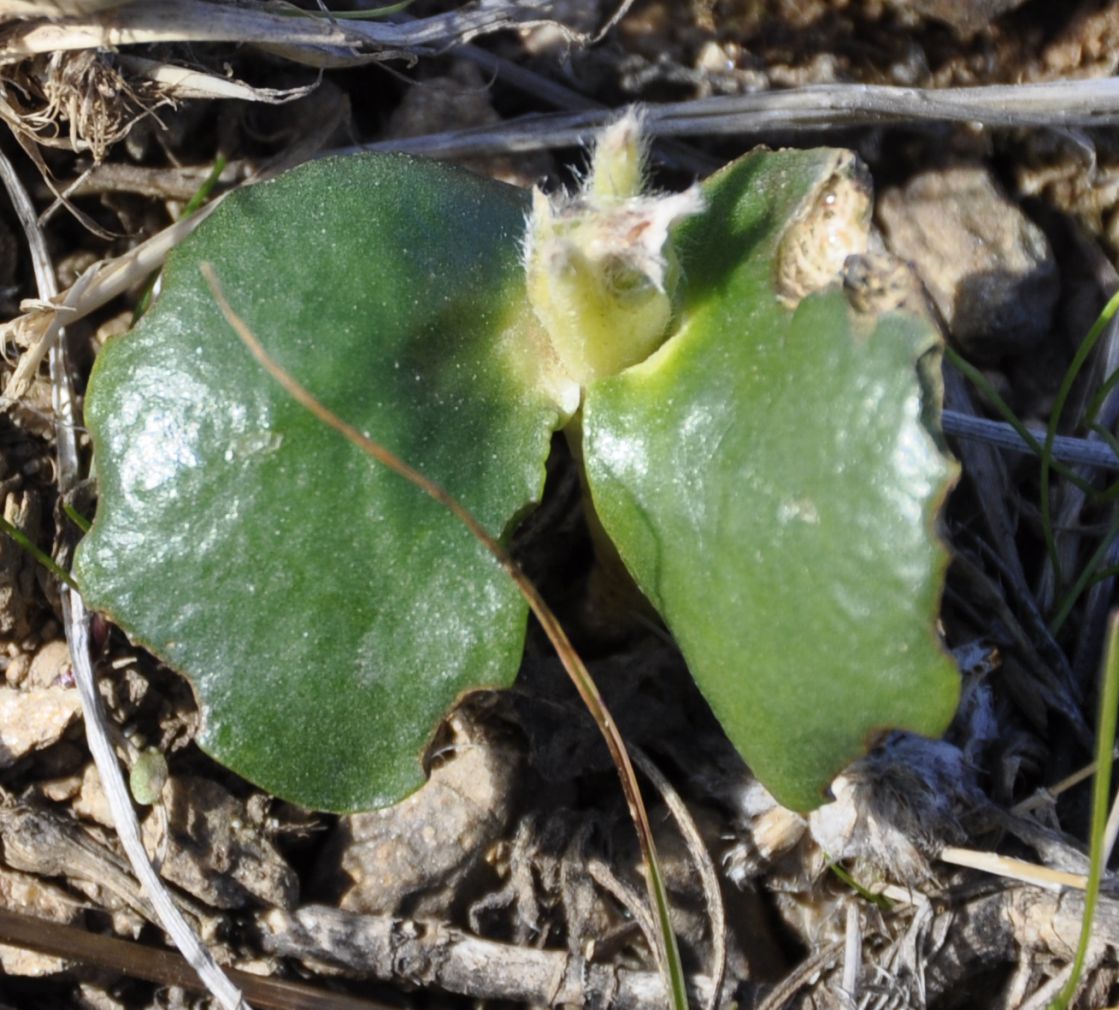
(327, 612)
(767, 478)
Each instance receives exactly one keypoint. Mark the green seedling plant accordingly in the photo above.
(754, 449)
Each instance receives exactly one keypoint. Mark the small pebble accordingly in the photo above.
(988, 267)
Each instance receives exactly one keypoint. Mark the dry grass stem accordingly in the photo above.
(317, 42)
(813, 108)
(1012, 869)
(705, 867)
(177, 82)
(97, 286)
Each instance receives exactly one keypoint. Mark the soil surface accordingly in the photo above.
(513, 875)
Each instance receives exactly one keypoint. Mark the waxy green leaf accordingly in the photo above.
(327, 612)
(767, 478)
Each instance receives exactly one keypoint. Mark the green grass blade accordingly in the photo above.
(864, 892)
(1088, 574)
(1082, 352)
(1101, 789)
(983, 384)
(76, 517)
(36, 552)
(1092, 411)
(200, 196)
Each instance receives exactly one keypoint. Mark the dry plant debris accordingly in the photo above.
(513, 875)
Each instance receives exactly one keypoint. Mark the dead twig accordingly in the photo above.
(163, 967)
(797, 110)
(1066, 449)
(438, 955)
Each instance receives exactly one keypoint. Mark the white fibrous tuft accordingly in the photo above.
(600, 271)
(891, 812)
